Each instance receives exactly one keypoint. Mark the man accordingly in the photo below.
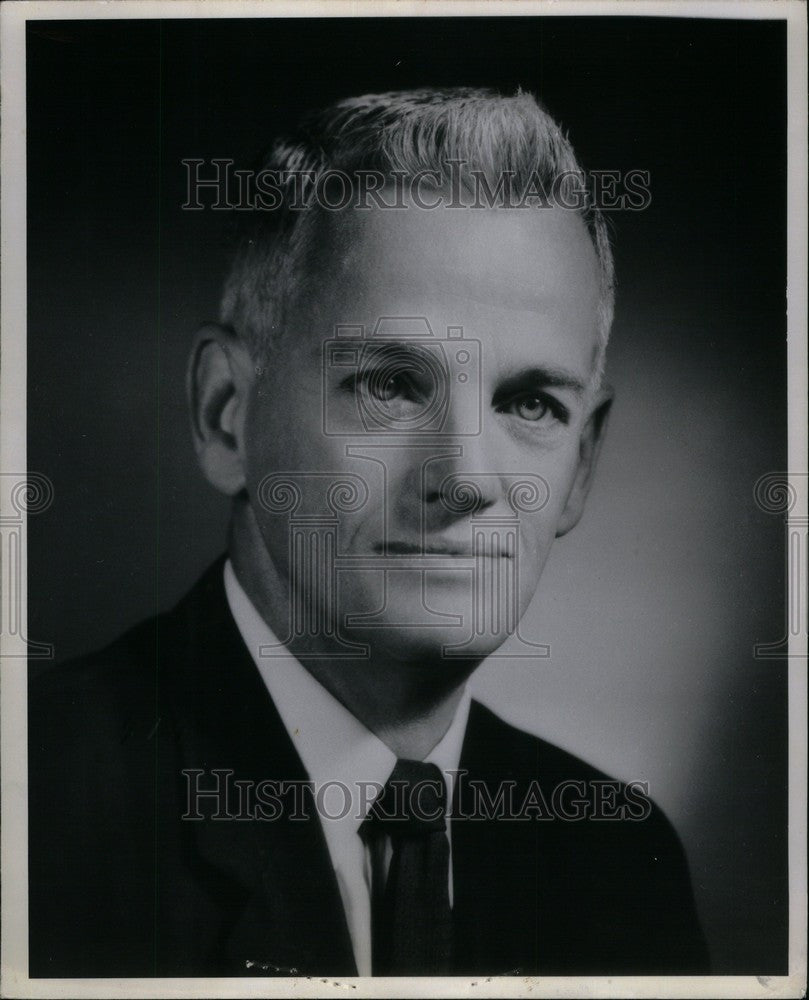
(285, 774)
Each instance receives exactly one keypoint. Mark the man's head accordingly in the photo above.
(439, 365)
(463, 141)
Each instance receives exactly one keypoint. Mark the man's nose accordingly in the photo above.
(464, 478)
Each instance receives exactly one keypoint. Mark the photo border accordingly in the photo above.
(13, 460)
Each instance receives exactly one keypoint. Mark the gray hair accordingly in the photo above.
(406, 133)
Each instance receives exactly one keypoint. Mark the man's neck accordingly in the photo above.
(408, 719)
(408, 705)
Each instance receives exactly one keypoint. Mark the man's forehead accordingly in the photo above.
(502, 275)
(511, 258)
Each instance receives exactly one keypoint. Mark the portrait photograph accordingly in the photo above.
(404, 499)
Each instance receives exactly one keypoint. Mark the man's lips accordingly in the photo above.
(440, 547)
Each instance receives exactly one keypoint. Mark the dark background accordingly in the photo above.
(653, 605)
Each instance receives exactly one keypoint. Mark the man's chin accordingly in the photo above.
(429, 625)
(426, 647)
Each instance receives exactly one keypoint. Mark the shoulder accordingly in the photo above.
(111, 690)
(520, 753)
(552, 782)
(93, 693)
(601, 846)
(93, 720)
(118, 663)
(92, 723)
(101, 761)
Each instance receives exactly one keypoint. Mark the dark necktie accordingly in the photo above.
(411, 916)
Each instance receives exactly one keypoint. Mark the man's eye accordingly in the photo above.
(389, 387)
(532, 407)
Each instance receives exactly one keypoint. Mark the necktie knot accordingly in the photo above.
(412, 803)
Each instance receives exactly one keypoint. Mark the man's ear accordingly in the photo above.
(592, 436)
(220, 373)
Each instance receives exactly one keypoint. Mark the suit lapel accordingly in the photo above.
(288, 913)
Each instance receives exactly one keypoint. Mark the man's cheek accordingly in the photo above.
(537, 533)
(275, 531)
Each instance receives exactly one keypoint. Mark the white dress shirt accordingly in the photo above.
(336, 747)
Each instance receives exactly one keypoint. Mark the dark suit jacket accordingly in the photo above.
(121, 885)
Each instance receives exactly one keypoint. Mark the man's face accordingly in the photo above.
(432, 426)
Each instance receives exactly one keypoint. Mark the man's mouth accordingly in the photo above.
(443, 547)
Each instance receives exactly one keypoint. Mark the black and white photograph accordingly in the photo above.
(404, 499)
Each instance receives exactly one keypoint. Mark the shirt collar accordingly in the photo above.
(335, 747)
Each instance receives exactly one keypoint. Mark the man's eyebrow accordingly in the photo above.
(374, 347)
(541, 377)
(536, 377)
